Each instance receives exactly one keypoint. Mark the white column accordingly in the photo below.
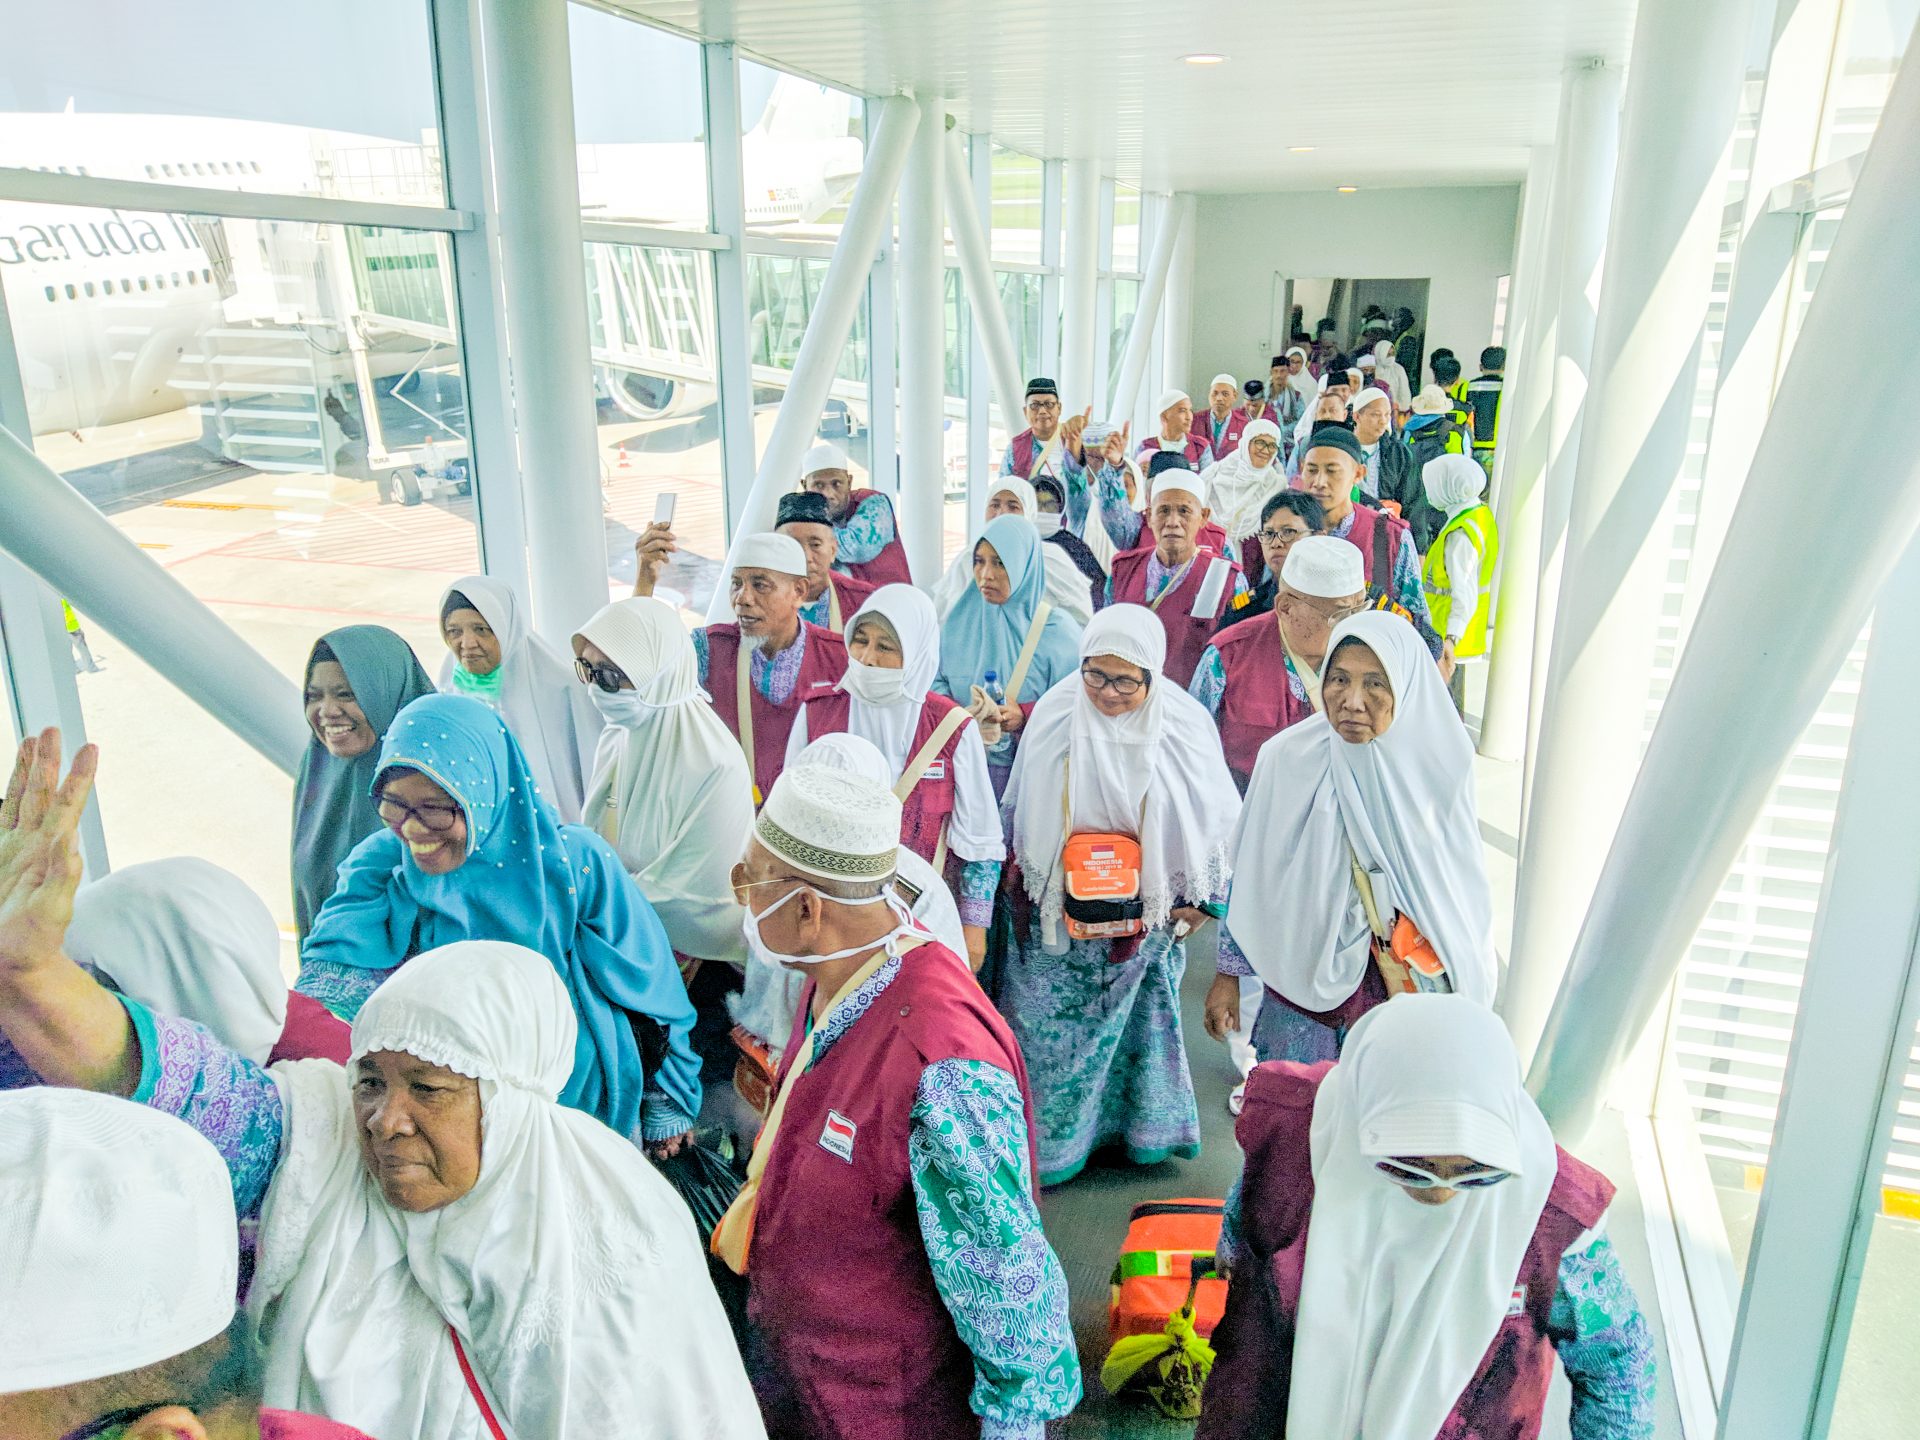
(923, 341)
(1178, 214)
(985, 457)
(1051, 188)
(1761, 295)
(732, 327)
(1177, 333)
(1795, 585)
(869, 217)
(1523, 316)
(1556, 374)
(1850, 1045)
(982, 289)
(1081, 283)
(1689, 62)
(537, 219)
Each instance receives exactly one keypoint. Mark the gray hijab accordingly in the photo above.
(333, 808)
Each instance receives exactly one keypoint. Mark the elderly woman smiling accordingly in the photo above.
(427, 1209)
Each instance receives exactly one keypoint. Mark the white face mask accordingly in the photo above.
(622, 707)
(1048, 524)
(759, 949)
(874, 685)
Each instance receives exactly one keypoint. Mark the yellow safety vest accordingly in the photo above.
(1440, 586)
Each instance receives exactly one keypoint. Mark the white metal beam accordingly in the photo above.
(43, 187)
(869, 216)
(923, 342)
(1688, 65)
(1080, 279)
(1176, 214)
(627, 232)
(983, 459)
(983, 290)
(1795, 585)
(732, 326)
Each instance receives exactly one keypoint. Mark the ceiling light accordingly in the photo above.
(1299, 149)
(1204, 58)
(1349, 189)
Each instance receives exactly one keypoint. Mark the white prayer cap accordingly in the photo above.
(1368, 394)
(1168, 399)
(1224, 379)
(1174, 478)
(766, 551)
(832, 824)
(1365, 362)
(1325, 567)
(824, 456)
(119, 1248)
(843, 750)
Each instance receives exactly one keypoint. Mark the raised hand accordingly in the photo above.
(1117, 444)
(1070, 432)
(651, 552)
(39, 853)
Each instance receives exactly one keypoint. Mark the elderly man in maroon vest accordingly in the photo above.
(767, 654)
(831, 597)
(1409, 1249)
(1173, 561)
(1330, 467)
(899, 1280)
(863, 521)
(1261, 674)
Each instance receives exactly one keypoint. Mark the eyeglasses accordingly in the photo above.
(1044, 407)
(737, 878)
(1413, 1177)
(396, 812)
(608, 677)
(1282, 537)
(1121, 685)
(120, 1419)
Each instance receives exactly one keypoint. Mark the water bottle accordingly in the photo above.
(993, 688)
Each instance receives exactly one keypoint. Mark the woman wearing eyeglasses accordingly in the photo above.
(493, 656)
(1117, 760)
(471, 852)
(1364, 875)
(1410, 1249)
(670, 789)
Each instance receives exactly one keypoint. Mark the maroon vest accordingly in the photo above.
(1026, 449)
(889, 567)
(853, 593)
(1366, 520)
(822, 664)
(290, 1425)
(930, 803)
(1202, 430)
(1246, 1395)
(1187, 636)
(851, 1340)
(312, 1032)
(1258, 703)
(1197, 451)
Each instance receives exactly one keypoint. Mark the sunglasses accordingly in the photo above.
(608, 677)
(1413, 1177)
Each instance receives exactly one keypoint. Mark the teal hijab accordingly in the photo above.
(978, 637)
(333, 801)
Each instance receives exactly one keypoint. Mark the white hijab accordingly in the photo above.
(543, 704)
(1237, 488)
(1066, 586)
(571, 1271)
(187, 938)
(1166, 753)
(1302, 382)
(1453, 483)
(1400, 1300)
(1386, 368)
(671, 791)
(884, 705)
(1404, 803)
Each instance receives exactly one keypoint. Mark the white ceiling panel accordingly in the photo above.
(1392, 92)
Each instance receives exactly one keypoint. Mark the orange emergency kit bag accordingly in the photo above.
(1102, 886)
(1164, 1303)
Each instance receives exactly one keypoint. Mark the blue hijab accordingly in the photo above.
(978, 637)
(558, 889)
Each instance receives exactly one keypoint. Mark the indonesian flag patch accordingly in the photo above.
(836, 1136)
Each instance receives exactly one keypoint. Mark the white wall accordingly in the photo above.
(1461, 238)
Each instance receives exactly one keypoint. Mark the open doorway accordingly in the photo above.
(1351, 315)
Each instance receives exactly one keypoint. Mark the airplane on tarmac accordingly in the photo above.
(112, 310)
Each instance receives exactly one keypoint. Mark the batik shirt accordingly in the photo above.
(774, 676)
(1407, 592)
(1072, 475)
(968, 1157)
(1595, 1325)
(1209, 683)
(866, 531)
(1125, 525)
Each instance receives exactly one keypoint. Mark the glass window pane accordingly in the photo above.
(639, 117)
(781, 293)
(651, 311)
(1873, 37)
(801, 148)
(1019, 187)
(213, 93)
(288, 437)
(1126, 230)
